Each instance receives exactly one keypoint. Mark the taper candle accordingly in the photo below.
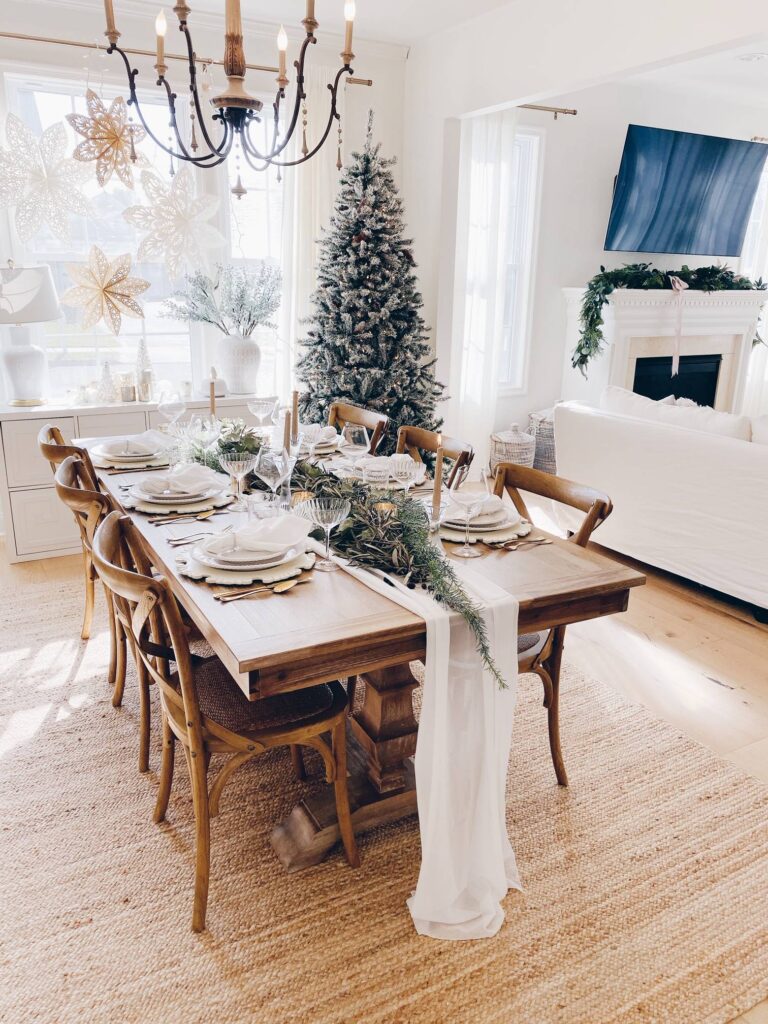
(437, 490)
(349, 18)
(282, 46)
(295, 416)
(110, 14)
(161, 27)
(212, 393)
(287, 431)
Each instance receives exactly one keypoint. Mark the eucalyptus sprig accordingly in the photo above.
(644, 275)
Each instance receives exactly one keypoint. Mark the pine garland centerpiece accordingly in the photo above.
(645, 275)
(368, 343)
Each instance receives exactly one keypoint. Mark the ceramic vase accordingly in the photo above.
(239, 361)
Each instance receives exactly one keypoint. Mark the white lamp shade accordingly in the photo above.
(27, 296)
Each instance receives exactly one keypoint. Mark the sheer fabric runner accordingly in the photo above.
(462, 752)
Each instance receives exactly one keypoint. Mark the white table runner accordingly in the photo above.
(462, 752)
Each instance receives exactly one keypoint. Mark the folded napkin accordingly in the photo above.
(148, 443)
(191, 479)
(326, 435)
(490, 504)
(267, 536)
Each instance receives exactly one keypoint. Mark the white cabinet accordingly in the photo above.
(41, 522)
(107, 424)
(24, 465)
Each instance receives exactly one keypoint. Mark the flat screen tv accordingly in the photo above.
(683, 193)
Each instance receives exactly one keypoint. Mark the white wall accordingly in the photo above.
(581, 157)
(528, 52)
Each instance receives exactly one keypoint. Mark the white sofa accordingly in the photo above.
(686, 500)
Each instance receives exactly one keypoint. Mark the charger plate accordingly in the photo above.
(189, 566)
(520, 529)
(102, 462)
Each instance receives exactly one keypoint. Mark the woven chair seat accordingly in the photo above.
(222, 700)
(527, 641)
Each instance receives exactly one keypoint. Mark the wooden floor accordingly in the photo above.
(695, 659)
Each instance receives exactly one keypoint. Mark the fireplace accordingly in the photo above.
(697, 378)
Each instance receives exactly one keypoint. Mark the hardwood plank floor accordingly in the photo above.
(695, 659)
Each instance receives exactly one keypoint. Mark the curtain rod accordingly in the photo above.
(548, 110)
(150, 53)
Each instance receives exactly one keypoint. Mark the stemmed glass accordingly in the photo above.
(311, 433)
(238, 465)
(326, 513)
(405, 470)
(470, 502)
(356, 436)
(263, 409)
(273, 467)
(171, 407)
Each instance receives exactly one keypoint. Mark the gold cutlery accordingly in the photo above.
(273, 588)
(537, 542)
(137, 469)
(158, 520)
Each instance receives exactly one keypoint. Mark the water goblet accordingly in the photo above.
(273, 467)
(264, 409)
(405, 470)
(238, 465)
(326, 513)
(356, 436)
(171, 407)
(470, 502)
(265, 506)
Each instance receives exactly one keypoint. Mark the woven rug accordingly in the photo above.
(646, 883)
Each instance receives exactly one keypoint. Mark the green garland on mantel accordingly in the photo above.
(644, 275)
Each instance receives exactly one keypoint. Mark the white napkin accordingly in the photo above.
(326, 436)
(490, 504)
(268, 536)
(148, 443)
(192, 479)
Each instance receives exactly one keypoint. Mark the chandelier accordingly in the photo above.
(237, 112)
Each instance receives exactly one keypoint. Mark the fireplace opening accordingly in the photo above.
(697, 378)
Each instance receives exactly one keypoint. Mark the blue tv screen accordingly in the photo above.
(683, 193)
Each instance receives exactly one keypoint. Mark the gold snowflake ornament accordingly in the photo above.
(40, 180)
(176, 221)
(104, 290)
(110, 139)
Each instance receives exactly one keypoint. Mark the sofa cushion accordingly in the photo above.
(697, 417)
(760, 430)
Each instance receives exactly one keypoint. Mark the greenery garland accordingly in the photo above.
(644, 275)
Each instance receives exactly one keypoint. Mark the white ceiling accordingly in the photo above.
(391, 21)
(724, 74)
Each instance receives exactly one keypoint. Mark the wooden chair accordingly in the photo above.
(55, 450)
(541, 653)
(374, 422)
(74, 486)
(204, 709)
(416, 440)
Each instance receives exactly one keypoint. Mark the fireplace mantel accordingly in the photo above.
(639, 323)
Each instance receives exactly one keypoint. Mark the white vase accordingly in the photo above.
(239, 361)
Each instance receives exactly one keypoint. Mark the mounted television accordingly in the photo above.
(683, 193)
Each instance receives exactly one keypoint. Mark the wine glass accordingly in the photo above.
(356, 436)
(325, 513)
(273, 467)
(311, 433)
(238, 465)
(171, 407)
(470, 502)
(405, 470)
(263, 409)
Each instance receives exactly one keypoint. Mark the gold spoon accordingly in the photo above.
(278, 588)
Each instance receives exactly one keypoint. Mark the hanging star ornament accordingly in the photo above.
(176, 221)
(103, 290)
(40, 180)
(110, 139)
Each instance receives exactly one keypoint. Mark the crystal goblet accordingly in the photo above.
(326, 513)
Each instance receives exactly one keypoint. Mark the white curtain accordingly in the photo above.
(754, 263)
(310, 190)
(485, 187)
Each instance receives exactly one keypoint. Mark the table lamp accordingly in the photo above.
(27, 296)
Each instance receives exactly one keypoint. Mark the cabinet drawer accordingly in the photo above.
(111, 424)
(42, 522)
(24, 464)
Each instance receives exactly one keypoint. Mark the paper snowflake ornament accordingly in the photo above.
(110, 139)
(40, 180)
(176, 221)
(104, 290)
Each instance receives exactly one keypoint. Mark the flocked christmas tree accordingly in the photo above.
(368, 341)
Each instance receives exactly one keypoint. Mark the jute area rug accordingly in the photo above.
(645, 900)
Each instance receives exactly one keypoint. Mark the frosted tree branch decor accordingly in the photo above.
(237, 301)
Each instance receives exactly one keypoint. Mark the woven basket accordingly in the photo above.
(512, 446)
(541, 426)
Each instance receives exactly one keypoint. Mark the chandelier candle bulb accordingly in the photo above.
(282, 46)
(349, 17)
(436, 492)
(161, 27)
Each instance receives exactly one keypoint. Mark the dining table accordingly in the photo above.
(338, 628)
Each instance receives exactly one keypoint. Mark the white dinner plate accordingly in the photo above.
(504, 524)
(487, 519)
(100, 452)
(177, 497)
(219, 561)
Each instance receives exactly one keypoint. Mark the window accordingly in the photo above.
(252, 224)
(519, 257)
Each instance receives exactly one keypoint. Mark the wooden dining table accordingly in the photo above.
(336, 628)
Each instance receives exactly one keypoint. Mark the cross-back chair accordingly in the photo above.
(55, 450)
(204, 709)
(375, 423)
(74, 486)
(542, 653)
(415, 440)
